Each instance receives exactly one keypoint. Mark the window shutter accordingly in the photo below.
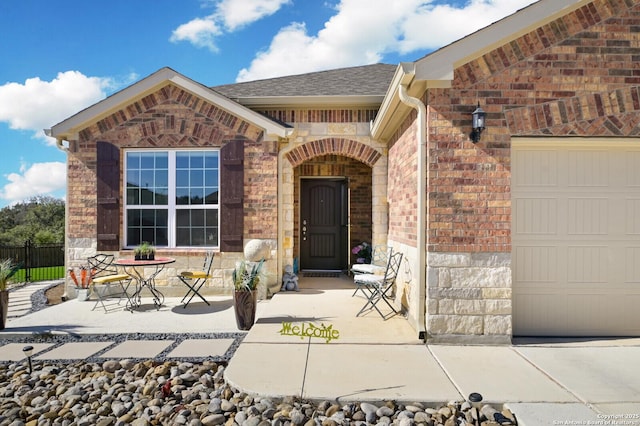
(232, 196)
(108, 196)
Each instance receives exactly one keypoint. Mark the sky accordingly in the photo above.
(58, 57)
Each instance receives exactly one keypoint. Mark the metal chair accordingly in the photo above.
(378, 287)
(104, 275)
(194, 280)
(379, 260)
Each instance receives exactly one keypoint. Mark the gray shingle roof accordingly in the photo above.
(367, 80)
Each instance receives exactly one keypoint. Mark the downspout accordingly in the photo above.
(422, 239)
(64, 149)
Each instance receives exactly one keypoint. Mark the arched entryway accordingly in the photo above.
(355, 174)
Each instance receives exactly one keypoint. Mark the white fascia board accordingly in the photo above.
(69, 127)
(441, 64)
(389, 109)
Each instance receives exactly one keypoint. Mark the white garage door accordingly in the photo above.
(576, 237)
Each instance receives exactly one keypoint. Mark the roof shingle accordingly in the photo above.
(366, 80)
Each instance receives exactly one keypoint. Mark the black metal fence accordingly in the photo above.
(39, 263)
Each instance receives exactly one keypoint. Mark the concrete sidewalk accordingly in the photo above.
(366, 358)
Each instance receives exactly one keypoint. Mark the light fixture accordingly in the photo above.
(478, 118)
(475, 399)
(28, 351)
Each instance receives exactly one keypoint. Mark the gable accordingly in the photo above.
(486, 52)
(145, 94)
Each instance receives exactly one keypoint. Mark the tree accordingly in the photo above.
(41, 220)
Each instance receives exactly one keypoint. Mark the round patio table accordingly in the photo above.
(143, 273)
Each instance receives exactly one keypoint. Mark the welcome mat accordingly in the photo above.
(321, 274)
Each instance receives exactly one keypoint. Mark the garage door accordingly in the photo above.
(576, 237)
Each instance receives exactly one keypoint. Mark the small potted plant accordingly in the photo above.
(246, 277)
(82, 281)
(145, 251)
(363, 252)
(7, 270)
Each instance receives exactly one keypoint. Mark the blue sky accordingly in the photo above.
(58, 57)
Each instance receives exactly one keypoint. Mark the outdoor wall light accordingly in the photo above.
(28, 351)
(475, 399)
(477, 123)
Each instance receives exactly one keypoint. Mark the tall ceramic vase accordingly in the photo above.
(244, 304)
(4, 308)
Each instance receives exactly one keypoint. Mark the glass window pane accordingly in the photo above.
(146, 197)
(182, 196)
(197, 160)
(183, 237)
(196, 178)
(147, 160)
(182, 178)
(162, 178)
(197, 218)
(197, 195)
(133, 196)
(182, 160)
(211, 196)
(162, 196)
(211, 178)
(162, 160)
(183, 218)
(211, 160)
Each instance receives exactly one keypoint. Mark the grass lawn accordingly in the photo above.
(40, 274)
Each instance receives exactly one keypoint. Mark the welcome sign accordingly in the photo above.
(310, 330)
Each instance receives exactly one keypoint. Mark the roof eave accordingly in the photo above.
(306, 101)
(69, 128)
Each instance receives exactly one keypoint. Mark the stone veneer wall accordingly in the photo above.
(469, 297)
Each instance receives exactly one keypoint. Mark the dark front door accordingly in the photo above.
(323, 224)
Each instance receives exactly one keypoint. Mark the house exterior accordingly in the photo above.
(533, 230)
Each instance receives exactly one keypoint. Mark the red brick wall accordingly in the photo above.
(402, 184)
(576, 76)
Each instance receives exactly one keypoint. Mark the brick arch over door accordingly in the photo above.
(336, 146)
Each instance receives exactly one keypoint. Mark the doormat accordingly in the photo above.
(321, 274)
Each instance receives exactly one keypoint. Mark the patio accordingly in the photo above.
(321, 300)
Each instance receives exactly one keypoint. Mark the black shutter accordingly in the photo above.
(108, 196)
(232, 196)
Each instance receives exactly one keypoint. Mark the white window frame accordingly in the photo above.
(171, 205)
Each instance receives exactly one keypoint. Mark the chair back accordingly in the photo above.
(393, 267)
(102, 264)
(380, 255)
(208, 261)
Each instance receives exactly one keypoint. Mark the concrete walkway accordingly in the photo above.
(549, 381)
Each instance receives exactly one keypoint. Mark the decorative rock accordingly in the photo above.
(127, 392)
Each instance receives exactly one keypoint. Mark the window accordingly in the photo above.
(172, 198)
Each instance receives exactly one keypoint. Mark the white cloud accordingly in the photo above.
(39, 104)
(201, 32)
(363, 31)
(229, 16)
(38, 179)
(238, 13)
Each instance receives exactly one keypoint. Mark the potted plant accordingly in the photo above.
(246, 277)
(7, 270)
(145, 251)
(363, 252)
(82, 282)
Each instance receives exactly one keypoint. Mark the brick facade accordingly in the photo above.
(172, 118)
(575, 76)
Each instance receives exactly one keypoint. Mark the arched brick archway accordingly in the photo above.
(337, 146)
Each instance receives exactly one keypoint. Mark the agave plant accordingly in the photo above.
(7, 270)
(247, 277)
